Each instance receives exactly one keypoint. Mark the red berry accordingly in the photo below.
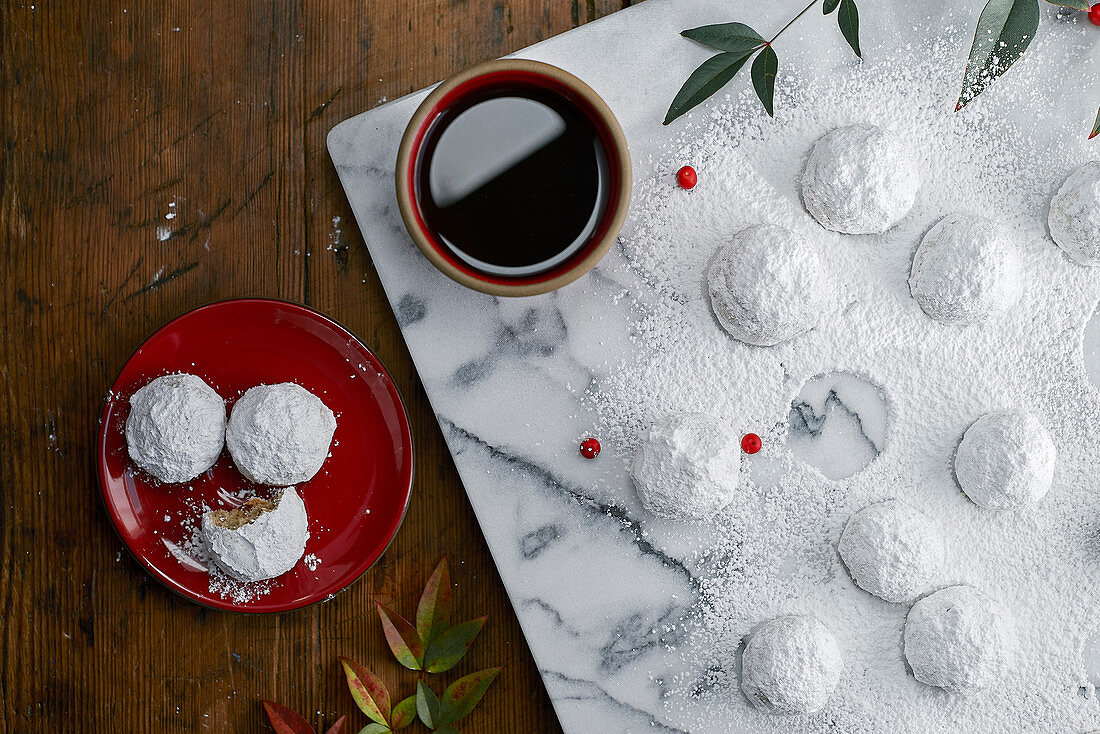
(687, 178)
(751, 443)
(590, 448)
(1094, 14)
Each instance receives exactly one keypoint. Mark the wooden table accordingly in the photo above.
(113, 116)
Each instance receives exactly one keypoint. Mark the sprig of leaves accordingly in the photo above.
(1005, 30)
(286, 721)
(431, 645)
(439, 712)
(737, 43)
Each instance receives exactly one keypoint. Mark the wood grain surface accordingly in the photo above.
(114, 115)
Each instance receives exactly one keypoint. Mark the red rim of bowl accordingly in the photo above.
(163, 579)
(504, 73)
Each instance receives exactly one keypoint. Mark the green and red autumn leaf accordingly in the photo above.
(287, 721)
(368, 691)
(433, 612)
(404, 713)
(460, 697)
(402, 637)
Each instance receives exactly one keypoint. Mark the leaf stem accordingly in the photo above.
(791, 22)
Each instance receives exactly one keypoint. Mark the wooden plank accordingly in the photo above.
(157, 156)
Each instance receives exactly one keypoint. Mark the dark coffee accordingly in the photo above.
(513, 181)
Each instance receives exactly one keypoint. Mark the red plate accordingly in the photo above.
(355, 503)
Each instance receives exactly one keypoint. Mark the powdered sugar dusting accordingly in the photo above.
(776, 555)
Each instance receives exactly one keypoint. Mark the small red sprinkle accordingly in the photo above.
(1094, 14)
(751, 443)
(590, 448)
(687, 178)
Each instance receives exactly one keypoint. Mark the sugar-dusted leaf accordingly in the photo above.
(338, 727)
(1005, 28)
(462, 695)
(427, 706)
(368, 691)
(285, 721)
(404, 713)
(1078, 4)
(848, 20)
(764, 70)
(732, 37)
(402, 637)
(1095, 126)
(445, 651)
(829, 6)
(712, 75)
(374, 728)
(433, 613)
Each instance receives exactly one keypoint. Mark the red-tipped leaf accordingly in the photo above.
(368, 691)
(338, 727)
(462, 695)
(285, 721)
(402, 637)
(404, 713)
(447, 649)
(433, 613)
(1095, 126)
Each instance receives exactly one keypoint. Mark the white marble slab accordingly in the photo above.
(599, 597)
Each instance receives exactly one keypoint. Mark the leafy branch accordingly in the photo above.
(431, 645)
(1005, 30)
(738, 43)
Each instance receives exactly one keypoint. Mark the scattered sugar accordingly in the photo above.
(1042, 562)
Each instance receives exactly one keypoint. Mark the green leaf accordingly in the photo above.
(1005, 28)
(446, 650)
(433, 613)
(764, 70)
(404, 713)
(427, 706)
(368, 691)
(285, 721)
(1095, 126)
(732, 37)
(402, 637)
(848, 20)
(462, 695)
(374, 728)
(1078, 4)
(829, 6)
(338, 726)
(712, 75)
